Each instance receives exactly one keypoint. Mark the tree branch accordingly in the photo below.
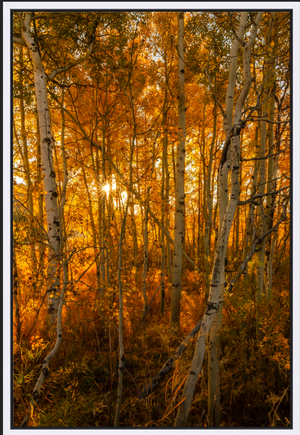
(266, 157)
(153, 384)
(253, 118)
(77, 62)
(125, 183)
(262, 195)
(243, 43)
(253, 249)
(19, 41)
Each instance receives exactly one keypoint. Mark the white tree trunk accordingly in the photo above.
(45, 363)
(225, 227)
(214, 340)
(50, 190)
(179, 206)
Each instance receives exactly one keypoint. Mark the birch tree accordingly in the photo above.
(214, 340)
(114, 129)
(231, 155)
(179, 207)
(46, 145)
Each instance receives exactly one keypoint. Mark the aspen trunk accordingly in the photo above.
(63, 195)
(27, 175)
(121, 343)
(231, 158)
(205, 212)
(264, 216)
(198, 255)
(262, 222)
(167, 207)
(272, 166)
(250, 226)
(179, 207)
(162, 242)
(145, 269)
(40, 198)
(16, 296)
(99, 223)
(165, 247)
(50, 189)
(208, 208)
(45, 363)
(103, 212)
(93, 226)
(214, 340)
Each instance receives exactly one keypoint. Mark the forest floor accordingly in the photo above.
(81, 390)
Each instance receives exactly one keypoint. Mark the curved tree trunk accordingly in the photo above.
(214, 340)
(231, 155)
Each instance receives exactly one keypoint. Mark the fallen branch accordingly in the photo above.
(153, 384)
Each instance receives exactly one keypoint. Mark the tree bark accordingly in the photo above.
(121, 342)
(45, 363)
(214, 301)
(214, 340)
(50, 189)
(179, 199)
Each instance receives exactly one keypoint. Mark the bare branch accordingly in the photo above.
(253, 250)
(20, 17)
(212, 92)
(266, 157)
(274, 192)
(253, 118)
(234, 32)
(19, 41)
(153, 384)
(70, 65)
(125, 183)
(77, 62)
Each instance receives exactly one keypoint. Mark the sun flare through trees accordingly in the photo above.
(151, 219)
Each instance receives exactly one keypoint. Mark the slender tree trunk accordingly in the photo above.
(121, 342)
(262, 223)
(63, 237)
(214, 340)
(167, 207)
(46, 361)
(231, 158)
(40, 198)
(198, 256)
(179, 206)
(250, 225)
(272, 166)
(50, 188)
(145, 269)
(103, 211)
(162, 241)
(262, 213)
(16, 296)
(27, 174)
(93, 226)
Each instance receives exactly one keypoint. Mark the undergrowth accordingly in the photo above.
(81, 390)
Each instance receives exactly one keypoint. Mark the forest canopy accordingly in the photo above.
(151, 219)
